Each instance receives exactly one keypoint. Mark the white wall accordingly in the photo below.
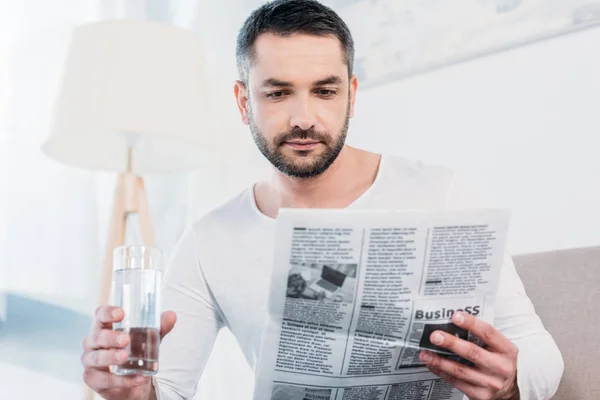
(4, 110)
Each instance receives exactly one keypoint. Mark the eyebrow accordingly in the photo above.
(274, 82)
(330, 80)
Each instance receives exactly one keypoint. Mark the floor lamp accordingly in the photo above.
(131, 101)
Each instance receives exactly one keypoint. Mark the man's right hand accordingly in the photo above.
(104, 347)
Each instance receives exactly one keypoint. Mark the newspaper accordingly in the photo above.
(355, 296)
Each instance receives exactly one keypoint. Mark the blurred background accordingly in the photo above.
(507, 91)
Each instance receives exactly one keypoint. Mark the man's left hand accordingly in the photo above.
(494, 376)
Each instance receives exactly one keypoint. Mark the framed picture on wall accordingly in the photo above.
(399, 38)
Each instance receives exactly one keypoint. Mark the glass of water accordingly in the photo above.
(136, 288)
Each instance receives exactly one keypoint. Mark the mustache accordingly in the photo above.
(302, 134)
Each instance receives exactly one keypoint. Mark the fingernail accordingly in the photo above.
(139, 379)
(426, 357)
(459, 318)
(121, 340)
(437, 338)
(116, 313)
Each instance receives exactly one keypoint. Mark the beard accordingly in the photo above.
(301, 163)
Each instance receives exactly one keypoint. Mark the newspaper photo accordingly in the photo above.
(355, 296)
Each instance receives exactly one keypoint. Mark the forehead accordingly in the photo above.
(297, 57)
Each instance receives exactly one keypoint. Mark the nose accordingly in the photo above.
(303, 114)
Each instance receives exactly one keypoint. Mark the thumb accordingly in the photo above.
(167, 322)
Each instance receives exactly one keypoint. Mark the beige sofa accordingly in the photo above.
(564, 286)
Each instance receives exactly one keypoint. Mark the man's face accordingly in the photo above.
(298, 102)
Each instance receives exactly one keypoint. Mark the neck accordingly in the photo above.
(350, 175)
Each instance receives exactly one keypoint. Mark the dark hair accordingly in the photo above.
(287, 17)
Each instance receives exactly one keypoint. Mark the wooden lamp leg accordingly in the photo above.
(116, 238)
(144, 214)
(129, 198)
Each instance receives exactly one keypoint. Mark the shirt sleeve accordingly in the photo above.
(185, 350)
(540, 364)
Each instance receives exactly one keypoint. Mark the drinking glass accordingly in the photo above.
(136, 289)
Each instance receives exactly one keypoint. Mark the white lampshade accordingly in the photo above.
(125, 80)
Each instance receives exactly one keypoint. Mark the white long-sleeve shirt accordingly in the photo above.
(220, 274)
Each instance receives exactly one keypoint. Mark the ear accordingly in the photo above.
(353, 89)
(241, 97)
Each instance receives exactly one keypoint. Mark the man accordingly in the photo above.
(296, 93)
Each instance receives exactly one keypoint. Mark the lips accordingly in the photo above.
(302, 144)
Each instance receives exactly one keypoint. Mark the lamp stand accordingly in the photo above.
(129, 198)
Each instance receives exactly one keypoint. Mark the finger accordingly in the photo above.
(461, 372)
(477, 355)
(491, 336)
(103, 380)
(167, 322)
(106, 315)
(105, 339)
(471, 391)
(103, 358)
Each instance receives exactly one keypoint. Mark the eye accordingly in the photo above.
(276, 95)
(326, 92)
